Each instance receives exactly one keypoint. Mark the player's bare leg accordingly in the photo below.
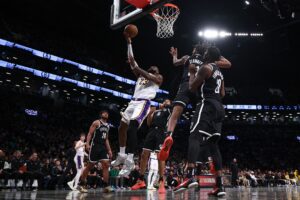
(83, 177)
(144, 161)
(161, 170)
(176, 113)
(143, 165)
(105, 173)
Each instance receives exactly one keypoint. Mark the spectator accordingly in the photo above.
(234, 172)
(3, 173)
(114, 176)
(34, 170)
(56, 175)
(18, 168)
(46, 171)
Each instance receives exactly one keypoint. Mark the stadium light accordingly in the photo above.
(211, 34)
(247, 2)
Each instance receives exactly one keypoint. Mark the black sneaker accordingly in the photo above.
(218, 192)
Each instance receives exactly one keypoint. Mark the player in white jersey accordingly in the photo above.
(147, 85)
(153, 170)
(78, 159)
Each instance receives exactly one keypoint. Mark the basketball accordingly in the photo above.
(131, 30)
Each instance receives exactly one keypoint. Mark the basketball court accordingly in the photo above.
(277, 193)
(118, 91)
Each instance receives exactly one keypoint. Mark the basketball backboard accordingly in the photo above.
(126, 11)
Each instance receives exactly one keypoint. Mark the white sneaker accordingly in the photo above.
(151, 188)
(120, 159)
(70, 184)
(127, 167)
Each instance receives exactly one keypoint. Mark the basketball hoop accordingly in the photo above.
(165, 18)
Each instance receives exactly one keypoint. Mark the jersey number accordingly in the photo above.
(144, 81)
(103, 136)
(219, 82)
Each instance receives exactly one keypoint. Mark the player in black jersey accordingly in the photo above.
(184, 96)
(207, 121)
(97, 144)
(156, 120)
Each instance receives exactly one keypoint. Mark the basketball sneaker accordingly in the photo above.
(119, 160)
(218, 192)
(140, 184)
(108, 189)
(187, 184)
(128, 166)
(165, 150)
(71, 185)
(151, 188)
(82, 189)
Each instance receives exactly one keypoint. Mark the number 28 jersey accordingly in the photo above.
(101, 133)
(211, 87)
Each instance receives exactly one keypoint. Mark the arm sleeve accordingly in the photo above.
(129, 50)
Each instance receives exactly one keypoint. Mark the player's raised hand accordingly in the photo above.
(127, 37)
(173, 51)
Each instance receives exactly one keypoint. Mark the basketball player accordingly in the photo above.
(153, 170)
(207, 121)
(97, 144)
(147, 84)
(157, 121)
(78, 160)
(184, 96)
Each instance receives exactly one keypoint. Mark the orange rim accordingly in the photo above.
(153, 13)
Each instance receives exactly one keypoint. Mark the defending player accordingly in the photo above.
(97, 144)
(157, 121)
(184, 96)
(207, 121)
(148, 83)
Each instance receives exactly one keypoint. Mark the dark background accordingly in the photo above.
(258, 63)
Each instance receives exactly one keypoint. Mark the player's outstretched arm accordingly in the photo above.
(223, 63)
(89, 137)
(197, 79)
(177, 62)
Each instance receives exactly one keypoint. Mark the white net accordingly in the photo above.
(165, 18)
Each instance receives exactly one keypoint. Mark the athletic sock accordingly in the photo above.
(122, 150)
(168, 133)
(219, 182)
(130, 156)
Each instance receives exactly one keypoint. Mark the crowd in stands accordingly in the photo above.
(38, 149)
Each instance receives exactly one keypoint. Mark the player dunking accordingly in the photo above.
(184, 96)
(207, 121)
(78, 160)
(147, 84)
(97, 144)
(157, 121)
